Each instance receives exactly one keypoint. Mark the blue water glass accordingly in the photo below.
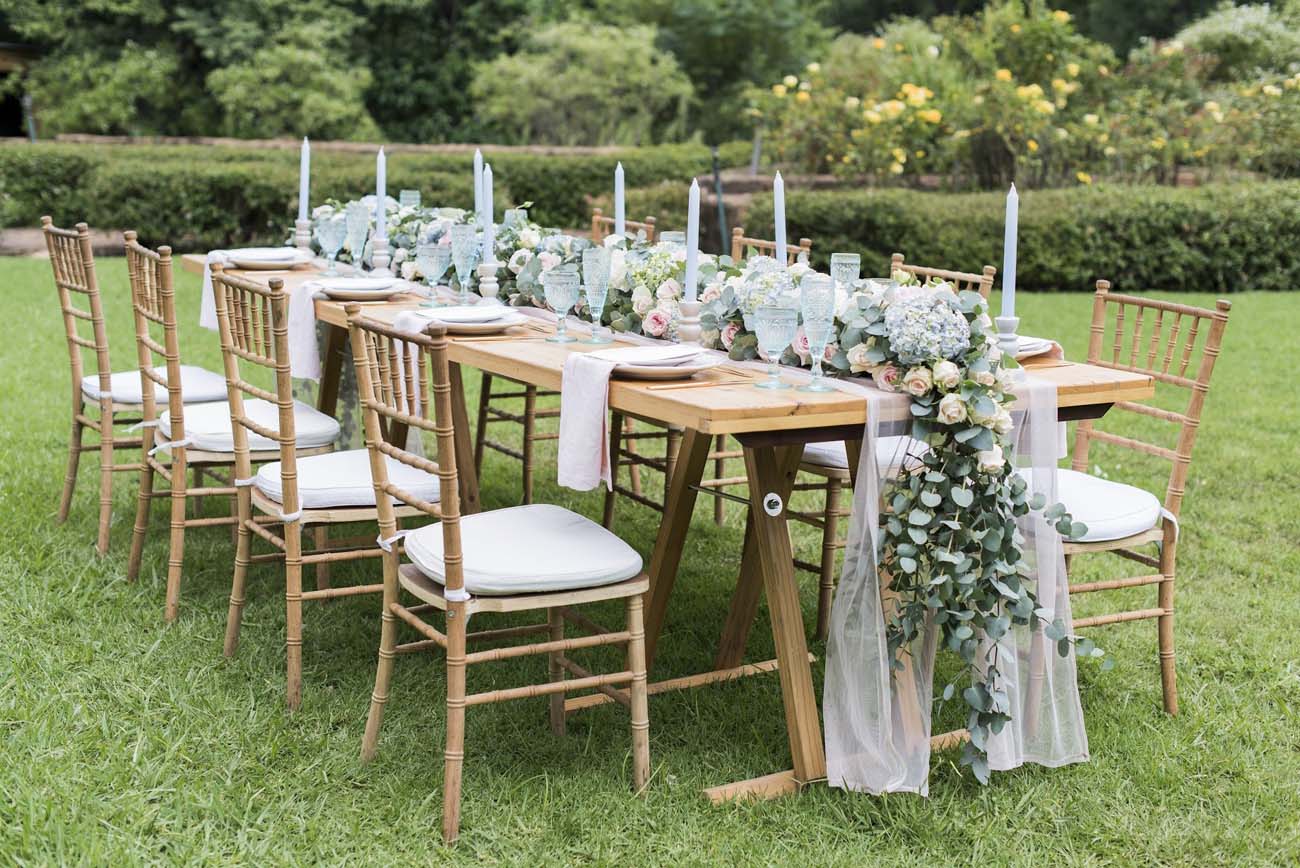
(561, 287)
(775, 327)
(595, 276)
(817, 303)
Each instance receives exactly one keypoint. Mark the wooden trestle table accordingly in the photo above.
(772, 427)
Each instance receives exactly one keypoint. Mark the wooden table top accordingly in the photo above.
(723, 409)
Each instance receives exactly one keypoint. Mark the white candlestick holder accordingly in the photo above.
(688, 323)
(302, 234)
(1008, 341)
(379, 257)
(487, 279)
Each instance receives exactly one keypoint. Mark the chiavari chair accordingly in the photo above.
(743, 246)
(602, 225)
(524, 558)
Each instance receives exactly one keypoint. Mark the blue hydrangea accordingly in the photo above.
(925, 329)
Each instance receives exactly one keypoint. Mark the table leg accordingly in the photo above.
(465, 472)
(328, 399)
(775, 563)
(853, 449)
(749, 586)
(679, 504)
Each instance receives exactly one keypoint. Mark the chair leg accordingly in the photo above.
(633, 470)
(530, 424)
(454, 752)
(830, 543)
(105, 480)
(243, 509)
(670, 456)
(1165, 624)
(616, 421)
(70, 479)
(176, 542)
(320, 540)
(556, 622)
(198, 483)
(640, 706)
(480, 432)
(719, 471)
(141, 519)
(293, 613)
(383, 677)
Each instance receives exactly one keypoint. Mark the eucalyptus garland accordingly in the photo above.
(948, 538)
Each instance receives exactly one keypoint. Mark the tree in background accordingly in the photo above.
(579, 83)
(727, 45)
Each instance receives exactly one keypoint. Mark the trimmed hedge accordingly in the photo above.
(201, 197)
(1217, 238)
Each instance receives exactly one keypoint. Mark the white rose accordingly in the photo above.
(917, 381)
(548, 260)
(952, 409)
(617, 268)
(712, 292)
(408, 270)
(858, 362)
(984, 378)
(798, 270)
(668, 289)
(519, 259)
(991, 460)
(1006, 379)
(947, 375)
(981, 418)
(399, 255)
(1002, 422)
(642, 300)
(529, 237)
(736, 281)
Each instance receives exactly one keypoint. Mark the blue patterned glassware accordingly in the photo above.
(595, 276)
(331, 232)
(817, 303)
(432, 259)
(561, 286)
(846, 268)
(463, 247)
(358, 230)
(775, 327)
(409, 199)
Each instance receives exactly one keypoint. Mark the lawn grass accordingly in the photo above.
(128, 742)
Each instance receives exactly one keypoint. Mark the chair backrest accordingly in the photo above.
(1164, 347)
(396, 374)
(981, 283)
(742, 246)
(254, 325)
(153, 301)
(73, 262)
(602, 226)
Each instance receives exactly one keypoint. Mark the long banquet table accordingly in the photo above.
(772, 427)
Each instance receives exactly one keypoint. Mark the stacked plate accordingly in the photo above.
(658, 362)
(475, 319)
(359, 288)
(267, 258)
(1028, 347)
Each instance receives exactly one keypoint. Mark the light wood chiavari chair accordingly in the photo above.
(742, 247)
(525, 558)
(1178, 346)
(309, 485)
(602, 225)
(73, 262)
(497, 408)
(165, 451)
(828, 464)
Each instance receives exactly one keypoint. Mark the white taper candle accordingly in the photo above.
(478, 183)
(778, 213)
(1009, 254)
(489, 210)
(304, 179)
(693, 241)
(381, 197)
(620, 211)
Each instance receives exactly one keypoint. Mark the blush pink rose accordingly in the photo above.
(729, 332)
(886, 377)
(655, 323)
(800, 346)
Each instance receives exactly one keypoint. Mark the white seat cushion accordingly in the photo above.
(1111, 510)
(527, 549)
(890, 452)
(343, 479)
(198, 385)
(207, 426)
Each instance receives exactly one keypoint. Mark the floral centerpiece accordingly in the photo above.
(407, 226)
(733, 293)
(529, 251)
(645, 286)
(948, 538)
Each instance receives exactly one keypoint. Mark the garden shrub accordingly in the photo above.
(1217, 238)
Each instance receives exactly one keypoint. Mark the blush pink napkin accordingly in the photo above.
(584, 461)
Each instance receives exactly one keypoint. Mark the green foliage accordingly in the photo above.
(547, 92)
(725, 47)
(193, 196)
(1245, 41)
(1218, 238)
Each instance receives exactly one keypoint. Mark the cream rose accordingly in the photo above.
(548, 260)
(917, 381)
(668, 289)
(617, 268)
(1002, 422)
(712, 292)
(991, 460)
(529, 237)
(519, 260)
(947, 375)
(642, 300)
(952, 409)
(408, 271)
(984, 378)
(858, 362)
(655, 323)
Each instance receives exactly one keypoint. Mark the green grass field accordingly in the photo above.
(129, 742)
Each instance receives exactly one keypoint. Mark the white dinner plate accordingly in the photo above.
(506, 320)
(1027, 347)
(649, 356)
(360, 288)
(267, 258)
(688, 368)
(469, 313)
